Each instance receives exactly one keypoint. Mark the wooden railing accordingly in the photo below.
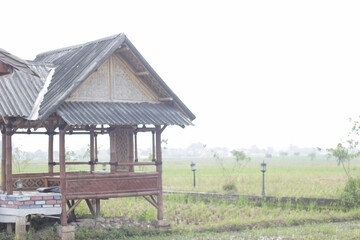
(106, 185)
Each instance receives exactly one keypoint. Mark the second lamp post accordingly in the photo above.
(263, 170)
(192, 165)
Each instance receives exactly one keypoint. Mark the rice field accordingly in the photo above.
(189, 217)
(291, 176)
(285, 176)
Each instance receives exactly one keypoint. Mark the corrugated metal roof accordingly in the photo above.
(19, 90)
(73, 66)
(83, 113)
(21, 94)
(16, 63)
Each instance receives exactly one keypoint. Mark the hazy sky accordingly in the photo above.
(270, 73)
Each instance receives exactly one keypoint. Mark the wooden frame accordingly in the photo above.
(91, 185)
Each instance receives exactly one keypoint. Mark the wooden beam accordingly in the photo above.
(111, 195)
(9, 182)
(152, 202)
(145, 130)
(142, 73)
(50, 130)
(136, 150)
(160, 214)
(96, 148)
(123, 49)
(73, 207)
(91, 208)
(153, 146)
(168, 99)
(112, 151)
(131, 149)
(3, 159)
(62, 130)
(9, 179)
(97, 208)
(92, 150)
(163, 128)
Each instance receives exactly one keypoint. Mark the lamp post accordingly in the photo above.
(192, 165)
(19, 186)
(263, 170)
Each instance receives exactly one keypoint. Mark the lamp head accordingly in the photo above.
(192, 165)
(263, 167)
(19, 186)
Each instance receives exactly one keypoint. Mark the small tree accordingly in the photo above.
(312, 155)
(283, 154)
(231, 175)
(343, 155)
(240, 156)
(70, 156)
(20, 160)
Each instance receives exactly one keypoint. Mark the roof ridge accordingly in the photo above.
(77, 45)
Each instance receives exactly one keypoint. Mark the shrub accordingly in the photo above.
(230, 188)
(350, 198)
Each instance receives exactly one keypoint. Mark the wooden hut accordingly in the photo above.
(100, 87)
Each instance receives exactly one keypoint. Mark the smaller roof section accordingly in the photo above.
(88, 113)
(8, 62)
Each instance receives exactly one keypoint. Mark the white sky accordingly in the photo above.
(270, 73)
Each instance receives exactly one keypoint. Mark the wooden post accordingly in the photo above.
(97, 208)
(96, 148)
(131, 149)
(159, 170)
(92, 151)
(153, 146)
(51, 146)
(136, 151)
(63, 217)
(112, 151)
(3, 159)
(9, 180)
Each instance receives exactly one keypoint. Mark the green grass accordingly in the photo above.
(289, 176)
(349, 230)
(191, 214)
(292, 176)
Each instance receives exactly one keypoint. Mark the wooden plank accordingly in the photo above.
(111, 195)
(111, 185)
(103, 175)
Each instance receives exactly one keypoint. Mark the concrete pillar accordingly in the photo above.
(20, 228)
(66, 232)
